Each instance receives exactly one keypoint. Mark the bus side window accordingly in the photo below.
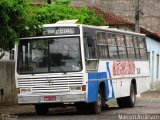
(130, 47)
(136, 47)
(113, 51)
(143, 50)
(102, 45)
(121, 46)
(90, 49)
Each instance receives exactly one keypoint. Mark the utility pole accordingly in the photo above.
(49, 1)
(137, 16)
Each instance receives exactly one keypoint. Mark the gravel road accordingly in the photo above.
(146, 108)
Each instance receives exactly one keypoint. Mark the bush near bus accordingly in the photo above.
(19, 19)
(13, 20)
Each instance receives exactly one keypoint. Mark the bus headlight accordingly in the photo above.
(75, 88)
(25, 90)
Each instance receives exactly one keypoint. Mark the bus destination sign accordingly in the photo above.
(61, 31)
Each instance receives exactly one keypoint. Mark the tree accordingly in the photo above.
(13, 14)
(19, 19)
(62, 10)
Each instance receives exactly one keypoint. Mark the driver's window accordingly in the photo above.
(90, 43)
(90, 49)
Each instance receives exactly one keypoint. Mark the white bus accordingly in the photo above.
(81, 65)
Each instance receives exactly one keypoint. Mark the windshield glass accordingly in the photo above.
(49, 55)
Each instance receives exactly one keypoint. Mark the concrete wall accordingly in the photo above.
(7, 82)
(154, 56)
(126, 9)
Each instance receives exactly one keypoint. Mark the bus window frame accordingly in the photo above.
(136, 47)
(112, 34)
(127, 45)
(49, 39)
(124, 46)
(87, 59)
(144, 48)
(99, 45)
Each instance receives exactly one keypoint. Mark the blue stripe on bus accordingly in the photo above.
(109, 72)
(94, 79)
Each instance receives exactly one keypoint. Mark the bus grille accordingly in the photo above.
(50, 84)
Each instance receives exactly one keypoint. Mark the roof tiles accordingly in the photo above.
(114, 20)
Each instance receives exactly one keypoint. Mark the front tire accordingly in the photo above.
(96, 107)
(82, 107)
(41, 109)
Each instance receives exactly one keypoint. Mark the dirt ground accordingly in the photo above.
(146, 108)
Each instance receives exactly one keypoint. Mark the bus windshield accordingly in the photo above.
(49, 55)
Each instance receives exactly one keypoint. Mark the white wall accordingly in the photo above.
(153, 47)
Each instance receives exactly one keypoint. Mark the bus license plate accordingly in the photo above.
(49, 98)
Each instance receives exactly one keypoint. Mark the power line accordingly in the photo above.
(152, 15)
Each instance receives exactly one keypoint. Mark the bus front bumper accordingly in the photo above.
(51, 98)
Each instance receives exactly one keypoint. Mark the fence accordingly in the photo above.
(7, 83)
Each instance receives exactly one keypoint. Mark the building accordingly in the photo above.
(152, 39)
(149, 10)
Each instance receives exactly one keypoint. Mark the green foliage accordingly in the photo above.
(12, 21)
(51, 13)
(19, 19)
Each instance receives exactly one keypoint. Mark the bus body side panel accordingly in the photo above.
(93, 84)
(126, 71)
(143, 78)
(117, 76)
(94, 80)
(125, 87)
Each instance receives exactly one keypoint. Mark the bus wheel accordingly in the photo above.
(131, 100)
(128, 101)
(96, 107)
(82, 107)
(121, 102)
(41, 109)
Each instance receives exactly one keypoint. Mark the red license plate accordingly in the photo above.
(49, 98)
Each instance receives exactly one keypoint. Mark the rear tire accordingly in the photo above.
(128, 101)
(121, 102)
(132, 98)
(41, 109)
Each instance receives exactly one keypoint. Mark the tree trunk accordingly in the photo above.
(49, 1)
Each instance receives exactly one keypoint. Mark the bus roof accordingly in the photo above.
(113, 30)
(70, 24)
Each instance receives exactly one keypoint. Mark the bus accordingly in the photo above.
(81, 65)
